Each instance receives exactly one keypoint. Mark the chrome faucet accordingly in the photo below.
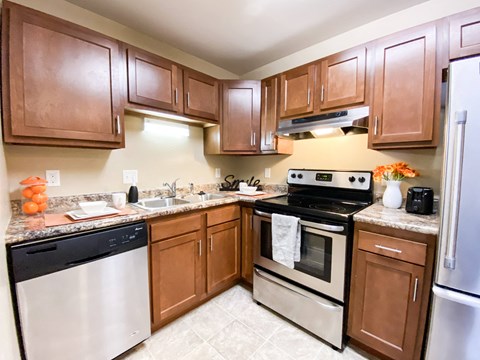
(172, 187)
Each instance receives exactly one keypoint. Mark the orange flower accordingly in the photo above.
(396, 171)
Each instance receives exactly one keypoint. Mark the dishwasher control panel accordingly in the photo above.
(43, 257)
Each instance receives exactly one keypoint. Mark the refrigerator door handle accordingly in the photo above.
(450, 229)
(457, 297)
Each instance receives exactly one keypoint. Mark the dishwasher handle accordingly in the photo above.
(90, 258)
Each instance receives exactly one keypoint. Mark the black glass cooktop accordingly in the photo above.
(313, 206)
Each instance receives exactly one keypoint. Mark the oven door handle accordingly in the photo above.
(262, 213)
(264, 276)
(314, 227)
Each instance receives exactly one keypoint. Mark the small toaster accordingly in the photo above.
(419, 200)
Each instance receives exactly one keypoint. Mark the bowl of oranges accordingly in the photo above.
(34, 199)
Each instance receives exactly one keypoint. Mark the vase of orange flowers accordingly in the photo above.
(393, 175)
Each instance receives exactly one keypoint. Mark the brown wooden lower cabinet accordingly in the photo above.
(247, 245)
(390, 289)
(190, 262)
(223, 255)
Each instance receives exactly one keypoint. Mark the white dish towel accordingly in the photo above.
(285, 239)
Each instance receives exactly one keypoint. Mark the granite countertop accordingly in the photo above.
(377, 214)
(26, 228)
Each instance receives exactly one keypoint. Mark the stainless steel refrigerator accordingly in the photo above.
(455, 322)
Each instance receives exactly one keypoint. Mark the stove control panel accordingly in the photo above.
(357, 180)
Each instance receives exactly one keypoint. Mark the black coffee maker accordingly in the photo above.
(419, 200)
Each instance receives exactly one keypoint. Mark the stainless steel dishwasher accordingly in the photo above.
(84, 296)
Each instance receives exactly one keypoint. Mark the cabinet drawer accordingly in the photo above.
(164, 229)
(223, 214)
(392, 247)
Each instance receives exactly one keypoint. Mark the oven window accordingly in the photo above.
(315, 250)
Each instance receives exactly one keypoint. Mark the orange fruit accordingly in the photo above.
(37, 189)
(33, 180)
(40, 198)
(27, 193)
(42, 207)
(30, 208)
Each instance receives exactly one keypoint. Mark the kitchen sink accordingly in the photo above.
(204, 197)
(158, 203)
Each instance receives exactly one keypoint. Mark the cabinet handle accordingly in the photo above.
(188, 99)
(254, 138)
(211, 243)
(176, 96)
(269, 139)
(322, 93)
(119, 129)
(308, 97)
(415, 290)
(375, 126)
(199, 248)
(388, 249)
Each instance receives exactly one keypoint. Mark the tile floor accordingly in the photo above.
(233, 326)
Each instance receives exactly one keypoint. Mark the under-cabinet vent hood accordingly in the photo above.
(352, 121)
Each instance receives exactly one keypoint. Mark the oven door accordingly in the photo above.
(323, 255)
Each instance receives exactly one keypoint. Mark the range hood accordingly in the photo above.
(352, 121)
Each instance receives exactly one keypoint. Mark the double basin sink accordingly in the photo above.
(160, 203)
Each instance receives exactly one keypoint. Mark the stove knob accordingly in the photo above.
(293, 176)
(361, 179)
(300, 176)
(351, 179)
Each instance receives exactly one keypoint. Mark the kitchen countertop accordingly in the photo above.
(26, 228)
(377, 214)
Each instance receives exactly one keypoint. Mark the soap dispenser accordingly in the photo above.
(133, 193)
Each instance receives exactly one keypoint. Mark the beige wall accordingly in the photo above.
(8, 338)
(157, 158)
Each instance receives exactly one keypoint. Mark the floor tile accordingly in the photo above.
(296, 343)
(203, 352)
(236, 341)
(139, 352)
(173, 341)
(208, 320)
(261, 320)
(268, 351)
(234, 300)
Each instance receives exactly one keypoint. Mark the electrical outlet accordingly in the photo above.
(218, 173)
(130, 176)
(53, 177)
(268, 173)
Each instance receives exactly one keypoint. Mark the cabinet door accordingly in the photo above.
(342, 79)
(296, 91)
(223, 255)
(202, 94)
(241, 116)
(247, 245)
(268, 118)
(404, 89)
(385, 304)
(176, 275)
(60, 81)
(465, 34)
(154, 81)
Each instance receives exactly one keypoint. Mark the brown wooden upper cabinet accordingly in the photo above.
(403, 106)
(465, 34)
(60, 82)
(240, 127)
(297, 91)
(269, 142)
(153, 81)
(202, 95)
(341, 79)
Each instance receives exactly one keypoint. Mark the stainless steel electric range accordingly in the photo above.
(314, 294)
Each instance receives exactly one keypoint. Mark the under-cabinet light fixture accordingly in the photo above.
(166, 128)
(327, 131)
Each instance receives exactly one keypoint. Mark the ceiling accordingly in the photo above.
(242, 35)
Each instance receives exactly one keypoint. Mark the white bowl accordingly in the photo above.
(93, 207)
(249, 189)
